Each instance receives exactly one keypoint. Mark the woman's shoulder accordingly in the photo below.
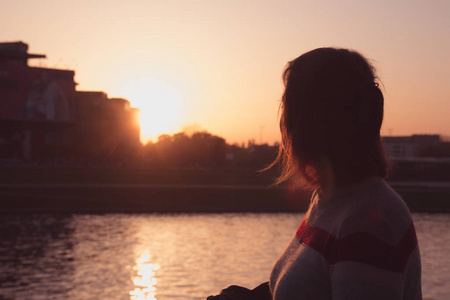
(369, 224)
(372, 207)
(375, 209)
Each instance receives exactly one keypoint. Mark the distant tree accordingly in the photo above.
(205, 150)
(163, 149)
(202, 149)
(182, 152)
(210, 150)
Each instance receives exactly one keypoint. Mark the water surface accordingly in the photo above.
(118, 256)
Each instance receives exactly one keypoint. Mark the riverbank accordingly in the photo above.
(172, 191)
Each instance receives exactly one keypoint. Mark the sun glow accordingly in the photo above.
(161, 106)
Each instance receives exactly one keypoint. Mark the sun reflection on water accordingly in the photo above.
(145, 281)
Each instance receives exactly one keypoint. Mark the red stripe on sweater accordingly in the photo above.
(360, 247)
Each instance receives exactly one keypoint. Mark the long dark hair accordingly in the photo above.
(331, 114)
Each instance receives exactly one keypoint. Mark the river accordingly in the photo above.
(163, 256)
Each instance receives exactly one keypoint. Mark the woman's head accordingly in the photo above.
(332, 110)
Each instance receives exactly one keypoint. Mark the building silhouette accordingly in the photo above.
(409, 146)
(109, 123)
(418, 157)
(43, 117)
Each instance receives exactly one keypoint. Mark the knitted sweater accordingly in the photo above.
(359, 244)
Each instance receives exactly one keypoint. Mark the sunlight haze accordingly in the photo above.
(218, 64)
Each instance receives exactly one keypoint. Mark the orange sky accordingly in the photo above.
(218, 64)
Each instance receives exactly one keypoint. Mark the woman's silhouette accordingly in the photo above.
(357, 240)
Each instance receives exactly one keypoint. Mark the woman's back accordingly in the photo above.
(359, 244)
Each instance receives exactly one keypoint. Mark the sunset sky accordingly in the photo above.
(216, 65)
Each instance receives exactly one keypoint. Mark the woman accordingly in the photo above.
(357, 240)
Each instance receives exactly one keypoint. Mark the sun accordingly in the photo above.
(160, 103)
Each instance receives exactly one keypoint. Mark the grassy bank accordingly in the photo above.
(47, 175)
(101, 190)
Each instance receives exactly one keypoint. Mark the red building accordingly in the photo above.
(43, 117)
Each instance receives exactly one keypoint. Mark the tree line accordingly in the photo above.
(205, 150)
